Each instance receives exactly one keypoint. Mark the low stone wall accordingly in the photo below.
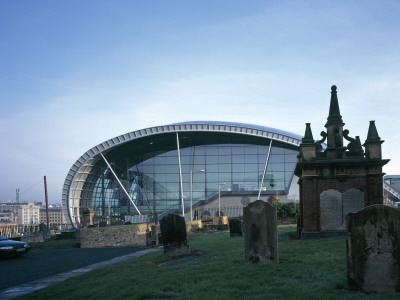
(37, 238)
(223, 220)
(193, 226)
(114, 236)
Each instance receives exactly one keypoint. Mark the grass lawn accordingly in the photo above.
(309, 269)
(55, 244)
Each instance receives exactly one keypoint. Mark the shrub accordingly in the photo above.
(287, 210)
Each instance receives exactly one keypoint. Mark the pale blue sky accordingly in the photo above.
(76, 73)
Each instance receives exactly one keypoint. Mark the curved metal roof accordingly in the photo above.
(89, 157)
(264, 128)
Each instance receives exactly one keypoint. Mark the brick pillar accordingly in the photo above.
(310, 206)
(375, 189)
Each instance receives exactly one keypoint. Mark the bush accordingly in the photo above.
(287, 210)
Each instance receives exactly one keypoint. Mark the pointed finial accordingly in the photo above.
(334, 112)
(308, 136)
(372, 136)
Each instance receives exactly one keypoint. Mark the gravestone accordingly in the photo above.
(353, 201)
(331, 210)
(87, 215)
(154, 235)
(373, 249)
(45, 231)
(43, 228)
(334, 206)
(174, 236)
(235, 227)
(260, 233)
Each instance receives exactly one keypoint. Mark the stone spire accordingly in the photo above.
(308, 136)
(373, 136)
(308, 146)
(334, 112)
(373, 143)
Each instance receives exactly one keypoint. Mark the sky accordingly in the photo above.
(76, 73)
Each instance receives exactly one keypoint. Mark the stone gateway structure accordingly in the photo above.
(335, 179)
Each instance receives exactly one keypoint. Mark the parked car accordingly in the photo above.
(10, 248)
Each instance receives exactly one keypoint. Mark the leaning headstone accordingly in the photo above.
(87, 217)
(260, 233)
(154, 235)
(235, 227)
(43, 228)
(45, 231)
(174, 236)
(373, 249)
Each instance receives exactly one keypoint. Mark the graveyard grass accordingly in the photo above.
(308, 269)
(55, 244)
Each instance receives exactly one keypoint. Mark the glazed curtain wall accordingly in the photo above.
(154, 183)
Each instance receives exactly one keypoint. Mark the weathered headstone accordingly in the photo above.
(43, 228)
(331, 210)
(87, 215)
(235, 227)
(373, 249)
(174, 236)
(334, 206)
(353, 201)
(45, 231)
(260, 233)
(154, 239)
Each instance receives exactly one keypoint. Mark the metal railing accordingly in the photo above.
(388, 188)
(229, 211)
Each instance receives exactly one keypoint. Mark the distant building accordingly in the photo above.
(27, 213)
(391, 194)
(55, 215)
(9, 217)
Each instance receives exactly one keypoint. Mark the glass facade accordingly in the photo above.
(150, 172)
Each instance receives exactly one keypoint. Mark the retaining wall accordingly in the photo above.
(114, 236)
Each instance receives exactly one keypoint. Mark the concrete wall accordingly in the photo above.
(114, 236)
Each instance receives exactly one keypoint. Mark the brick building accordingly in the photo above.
(55, 215)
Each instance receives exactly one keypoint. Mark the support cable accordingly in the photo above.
(180, 174)
(123, 188)
(265, 169)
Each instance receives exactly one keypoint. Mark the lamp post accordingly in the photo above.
(108, 215)
(219, 198)
(191, 192)
(109, 208)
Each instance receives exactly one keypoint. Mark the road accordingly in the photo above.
(40, 263)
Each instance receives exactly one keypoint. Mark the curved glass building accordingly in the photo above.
(187, 165)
